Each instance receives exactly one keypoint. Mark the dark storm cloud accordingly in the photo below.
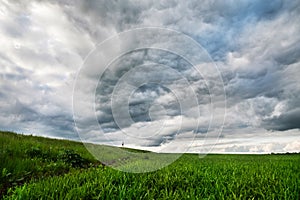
(118, 12)
(264, 70)
(158, 141)
(225, 21)
(145, 96)
(24, 115)
(285, 121)
(62, 122)
(23, 112)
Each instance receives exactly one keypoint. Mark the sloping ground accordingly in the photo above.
(39, 169)
(25, 158)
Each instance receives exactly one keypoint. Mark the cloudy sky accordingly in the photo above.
(174, 76)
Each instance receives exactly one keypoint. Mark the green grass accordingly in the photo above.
(212, 177)
(24, 158)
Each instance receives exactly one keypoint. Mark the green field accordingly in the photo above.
(40, 168)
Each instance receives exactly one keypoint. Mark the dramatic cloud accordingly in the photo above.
(255, 45)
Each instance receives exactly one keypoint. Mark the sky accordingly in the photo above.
(167, 76)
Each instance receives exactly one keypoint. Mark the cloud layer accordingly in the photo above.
(255, 45)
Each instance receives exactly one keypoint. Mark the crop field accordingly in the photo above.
(40, 168)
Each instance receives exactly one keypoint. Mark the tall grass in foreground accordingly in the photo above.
(23, 158)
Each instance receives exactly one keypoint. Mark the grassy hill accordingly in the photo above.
(25, 158)
(41, 168)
